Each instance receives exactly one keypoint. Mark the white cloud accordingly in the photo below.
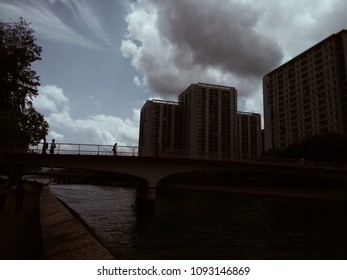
(94, 129)
(137, 81)
(105, 129)
(300, 25)
(235, 43)
(88, 16)
(50, 98)
(51, 26)
(128, 48)
(56, 136)
(176, 43)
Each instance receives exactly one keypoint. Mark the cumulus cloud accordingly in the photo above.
(175, 43)
(50, 99)
(95, 129)
(232, 42)
(300, 25)
(218, 36)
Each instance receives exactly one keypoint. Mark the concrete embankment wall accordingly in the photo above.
(64, 237)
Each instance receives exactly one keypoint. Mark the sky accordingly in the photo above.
(101, 60)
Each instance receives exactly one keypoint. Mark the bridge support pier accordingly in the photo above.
(145, 200)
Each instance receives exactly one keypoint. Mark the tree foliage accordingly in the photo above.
(330, 147)
(21, 125)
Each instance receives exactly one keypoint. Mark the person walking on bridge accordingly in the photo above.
(44, 146)
(114, 149)
(53, 146)
(3, 194)
(20, 194)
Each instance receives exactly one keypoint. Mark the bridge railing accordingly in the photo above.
(106, 150)
(171, 153)
(86, 149)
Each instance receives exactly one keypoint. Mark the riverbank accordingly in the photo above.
(20, 234)
(45, 229)
(328, 193)
(64, 237)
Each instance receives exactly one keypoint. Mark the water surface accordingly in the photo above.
(211, 225)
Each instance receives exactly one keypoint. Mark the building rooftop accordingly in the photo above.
(164, 101)
(248, 113)
(215, 86)
(305, 52)
(211, 86)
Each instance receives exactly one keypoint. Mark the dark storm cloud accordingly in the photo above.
(176, 43)
(219, 34)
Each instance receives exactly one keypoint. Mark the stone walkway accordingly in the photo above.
(20, 233)
(64, 236)
(45, 229)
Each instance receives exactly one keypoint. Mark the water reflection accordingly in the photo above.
(211, 225)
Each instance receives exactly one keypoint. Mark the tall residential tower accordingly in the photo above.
(159, 127)
(249, 140)
(209, 120)
(307, 95)
(204, 123)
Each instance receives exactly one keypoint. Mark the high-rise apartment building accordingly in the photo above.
(159, 127)
(249, 134)
(204, 123)
(209, 120)
(308, 94)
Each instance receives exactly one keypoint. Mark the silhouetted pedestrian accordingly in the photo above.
(3, 194)
(114, 149)
(53, 146)
(20, 194)
(44, 147)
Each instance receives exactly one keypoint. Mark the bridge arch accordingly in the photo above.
(154, 170)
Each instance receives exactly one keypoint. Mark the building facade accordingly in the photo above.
(249, 134)
(208, 125)
(307, 95)
(159, 127)
(204, 123)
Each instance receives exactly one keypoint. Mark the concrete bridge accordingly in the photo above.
(152, 170)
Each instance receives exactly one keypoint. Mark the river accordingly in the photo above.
(191, 224)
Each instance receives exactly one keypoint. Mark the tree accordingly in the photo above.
(21, 125)
(331, 147)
